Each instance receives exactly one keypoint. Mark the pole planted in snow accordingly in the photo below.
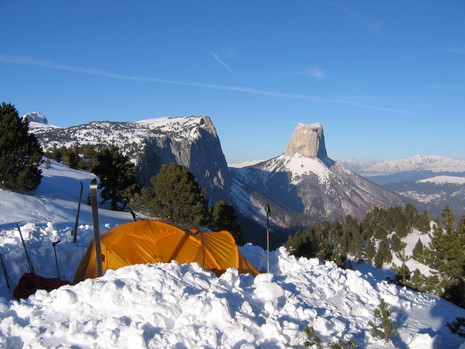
(268, 212)
(56, 258)
(77, 213)
(28, 259)
(93, 202)
(5, 273)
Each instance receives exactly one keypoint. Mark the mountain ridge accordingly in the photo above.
(302, 185)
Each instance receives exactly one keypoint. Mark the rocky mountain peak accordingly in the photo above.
(308, 141)
(35, 117)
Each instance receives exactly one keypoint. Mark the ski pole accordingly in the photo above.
(268, 212)
(77, 213)
(56, 259)
(93, 202)
(5, 273)
(28, 259)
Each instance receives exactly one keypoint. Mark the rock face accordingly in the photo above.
(189, 141)
(304, 186)
(308, 141)
(35, 117)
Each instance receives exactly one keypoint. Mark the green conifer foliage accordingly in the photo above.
(116, 173)
(383, 326)
(178, 198)
(20, 153)
(446, 255)
(223, 217)
(417, 252)
(370, 251)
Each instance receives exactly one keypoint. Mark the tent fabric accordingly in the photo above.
(153, 241)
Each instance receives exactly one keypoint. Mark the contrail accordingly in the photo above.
(93, 71)
(218, 59)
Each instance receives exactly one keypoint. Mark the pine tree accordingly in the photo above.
(178, 198)
(423, 222)
(355, 247)
(448, 218)
(417, 252)
(402, 274)
(370, 251)
(396, 243)
(116, 173)
(383, 326)
(223, 217)
(446, 255)
(386, 252)
(20, 152)
(378, 261)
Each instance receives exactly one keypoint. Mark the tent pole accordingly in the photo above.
(93, 202)
(268, 212)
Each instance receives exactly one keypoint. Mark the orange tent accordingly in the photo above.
(152, 241)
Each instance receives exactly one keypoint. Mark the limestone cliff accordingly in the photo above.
(189, 141)
(308, 141)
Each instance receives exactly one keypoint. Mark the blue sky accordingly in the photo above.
(385, 78)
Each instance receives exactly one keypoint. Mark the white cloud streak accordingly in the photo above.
(220, 61)
(92, 71)
(314, 72)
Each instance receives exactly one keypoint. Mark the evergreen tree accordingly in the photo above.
(72, 158)
(223, 217)
(355, 247)
(370, 251)
(20, 152)
(423, 223)
(116, 173)
(448, 218)
(402, 274)
(177, 197)
(417, 252)
(383, 326)
(446, 255)
(378, 261)
(418, 281)
(396, 243)
(386, 252)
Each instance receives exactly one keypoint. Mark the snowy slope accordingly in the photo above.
(183, 306)
(440, 180)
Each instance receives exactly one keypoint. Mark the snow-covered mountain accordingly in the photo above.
(433, 163)
(189, 141)
(300, 186)
(168, 305)
(429, 179)
(304, 185)
(35, 117)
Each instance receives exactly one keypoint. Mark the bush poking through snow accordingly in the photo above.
(458, 326)
(384, 326)
(314, 340)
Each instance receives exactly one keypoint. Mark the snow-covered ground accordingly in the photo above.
(183, 306)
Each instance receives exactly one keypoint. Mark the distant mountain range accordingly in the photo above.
(430, 179)
(300, 186)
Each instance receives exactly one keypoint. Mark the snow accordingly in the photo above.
(244, 163)
(444, 180)
(183, 306)
(434, 163)
(184, 127)
(299, 165)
